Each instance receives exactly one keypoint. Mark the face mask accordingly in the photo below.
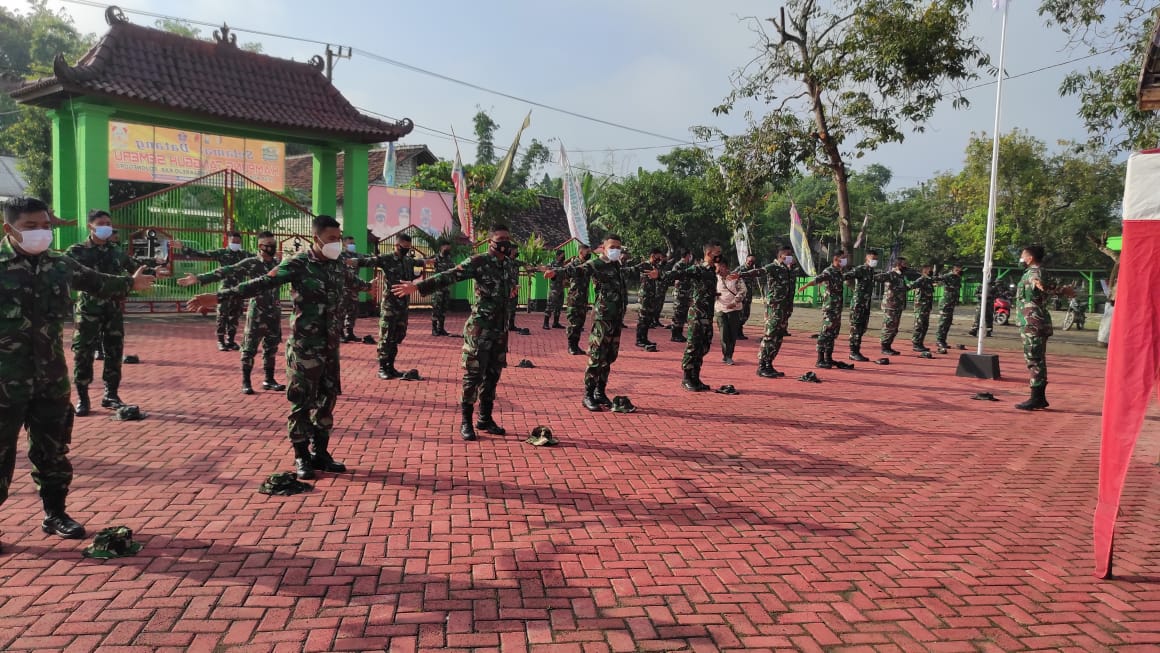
(403, 250)
(1024, 263)
(268, 250)
(103, 232)
(872, 263)
(445, 252)
(35, 241)
(235, 247)
(504, 247)
(614, 255)
(789, 260)
(842, 262)
(717, 258)
(352, 248)
(332, 250)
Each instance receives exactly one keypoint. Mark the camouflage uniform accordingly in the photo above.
(702, 280)
(779, 295)
(611, 304)
(350, 298)
(555, 303)
(312, 369)
(992, 292)
(100, 321)
(651, 300)
(263, 316)
(514, 265)
(952, 286)
(863, 277)
(893, 303)
(1034, 323)
(229, 309)
(441, 299)
(579, 282)
(682, 300)
(831, 278)
(923, 288)
(393, 310)
(34, 382)
(752, 290)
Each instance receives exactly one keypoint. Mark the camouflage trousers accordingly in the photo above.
(577, 314)
(312, 384)
(859, 322)
(392, 332)
(946, 315)
(440, 303)
(603, 350)
(891, 318)
(484, 357)
(555, 302)
(349, 308)
(1035, 353)
(921, 325)
(831, 327)
(229, 311)
(264, 326)
(105, 330)
(681, 304)
(700, 341)
(42, 405)
(990, 317)
(776, 324)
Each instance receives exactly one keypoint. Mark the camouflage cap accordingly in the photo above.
(411, 375)
(283, 484)
(926, 354)
(622, 404)
(984, 396)
(113, 542)
(882, 361)
(729, 390)
(129, 414)
(131, 359)
(525, 363)
(542, 437)
(809, 377)
(368, 340)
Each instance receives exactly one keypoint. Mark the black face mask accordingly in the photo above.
(506, 247)
(268, 251)
(717, 258)
(445, 252)
(403, 251)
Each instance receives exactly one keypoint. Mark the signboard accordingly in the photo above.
(391, 209)
(171, 156)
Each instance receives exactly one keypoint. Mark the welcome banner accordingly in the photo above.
(172, 156)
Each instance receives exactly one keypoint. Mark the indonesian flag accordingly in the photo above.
(1133, 370)
(462, 201)
(801, 246)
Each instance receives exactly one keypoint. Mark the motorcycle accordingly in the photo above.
(1002, 310)
(1076, 315)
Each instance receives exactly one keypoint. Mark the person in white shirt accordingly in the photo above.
(727, 309)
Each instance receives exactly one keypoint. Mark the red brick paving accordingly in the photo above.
(880, 511)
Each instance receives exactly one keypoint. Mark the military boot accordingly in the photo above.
(302, 467)
(270, 383)
(547, 322)
(822, 363)
(642, 335)
(465, 429)
(600, 396)
(590, 402)
(556, 322)
(322, 460)
(247, 386)
(677, 337)
(83, 406)
(222, 344)
(486, 422)
(56, 520)
(388, 372)
(435, 328)
(442, 330)
(856, 354)
(1038, 400)
(574, 348)
(701, 385)
(689, 383)
(111, 400)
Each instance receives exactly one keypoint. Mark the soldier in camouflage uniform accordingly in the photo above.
(752, 290)
(397, 267)
(702, 279)
(485, 336)
(99, 320)
(923, 288)
(577, 300)
(893, 303)
(263, 316)
(35, 283)
(350, 297)
(652, 296)
(864, 277)
(992, 293)
(555, 297)
(779, 279)
(1034, 320)
(952, 284)
(832, 278)
(441, 299)
(229, 309)
(682, 299)
(317, 280)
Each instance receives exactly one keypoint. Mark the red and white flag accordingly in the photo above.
(462, 201)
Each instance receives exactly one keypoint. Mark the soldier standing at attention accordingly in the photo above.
(832, 278)
(398, 267)
(350, 297)
(652, 296)
(923, 288)
(780, 293)
(702, 278)
(441, 300)
(751, 289)
(99, 321)
(863, 277)
(1034, 322)
(485, 336)
(893, 302)
(952, 284)
(577, 300)
(263, 316)
(229, 310)
(555, 297)
(682, 299)
(34, 386)
(317, 280)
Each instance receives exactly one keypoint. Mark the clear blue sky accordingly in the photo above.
(658, 65)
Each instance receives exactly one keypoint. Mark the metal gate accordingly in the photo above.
(201, 213)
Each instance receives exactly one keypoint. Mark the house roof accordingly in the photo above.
(548, 221)
(1149, 88)
(300, 168)
(12, 183)
(217, 80)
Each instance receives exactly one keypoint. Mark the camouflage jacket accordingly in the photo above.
(495, 288)
(894, 295)
(223, 257)
(750, 279)
(702, 280)
(396, 269)
(35, 302)
(250, 268)
(1031, 302)
(579, 281)
(682, 290)
(354, 283)
(832, 280)
(923, 288)
(107, 259)
(316, 286)
(611, 284)
(443, 263)
(952, 288)
(863, 277)
(653, 289)
(781, 282)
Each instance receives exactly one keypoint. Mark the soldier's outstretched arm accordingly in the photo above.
(108, 286)
(462, 272)
(288, 270)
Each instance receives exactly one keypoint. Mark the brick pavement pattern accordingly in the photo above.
(772, 520)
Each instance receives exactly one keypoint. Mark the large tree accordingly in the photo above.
(843, 78)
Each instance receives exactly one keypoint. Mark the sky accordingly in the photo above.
(659, 66)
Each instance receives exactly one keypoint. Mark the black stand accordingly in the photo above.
(978, 366)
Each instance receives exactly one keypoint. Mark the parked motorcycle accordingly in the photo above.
(1002, 310)
(1076, 315)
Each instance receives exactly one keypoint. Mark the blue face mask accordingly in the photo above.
(103, 232)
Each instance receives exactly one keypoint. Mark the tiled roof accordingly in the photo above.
(1150, 76)
(300, 168)
(548, 221)
(214, 80)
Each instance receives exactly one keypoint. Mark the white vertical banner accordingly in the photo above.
(741, 242)
(573, 201)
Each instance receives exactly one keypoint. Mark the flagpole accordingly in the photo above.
(992, 202)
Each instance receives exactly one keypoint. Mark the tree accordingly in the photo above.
(487, 206)
(485, 129)
(534, 158)
(843, 81)
(1108, 98)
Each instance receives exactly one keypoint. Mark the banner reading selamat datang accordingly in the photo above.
(171, 156)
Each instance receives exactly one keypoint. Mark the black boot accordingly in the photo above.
(600, 396)
(741, 334)
(56, 520)
(302, 467)
(230, 342)
(83, 406)
(641, 335)
(435, 329)
(465, 429)
(920, 347)
(322, 460)
(888, 350)
(247, 386)
(486, 422)
(701, 385)
(270, 383)
(443, 331)
(822, 363)
(547, 322)
(590, 401)
(1038, 400)
(388, 372)
(111, 400)
(689, 383)
(222, 346)
(556, 322)
(677, 337)
(856, 354)
(574, 349)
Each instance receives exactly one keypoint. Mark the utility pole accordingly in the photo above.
(333, 54)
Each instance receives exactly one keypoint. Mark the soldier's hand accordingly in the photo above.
(202, 302)
(550, 274)
(403, 289)
(175, 245)
(653, 274)
(733, 277)
(57, 222)
(187, 280)
(141, 280)
(352, 262)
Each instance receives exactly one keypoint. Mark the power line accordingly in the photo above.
(1048, 67)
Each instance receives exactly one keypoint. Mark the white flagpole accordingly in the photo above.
(989, 248)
